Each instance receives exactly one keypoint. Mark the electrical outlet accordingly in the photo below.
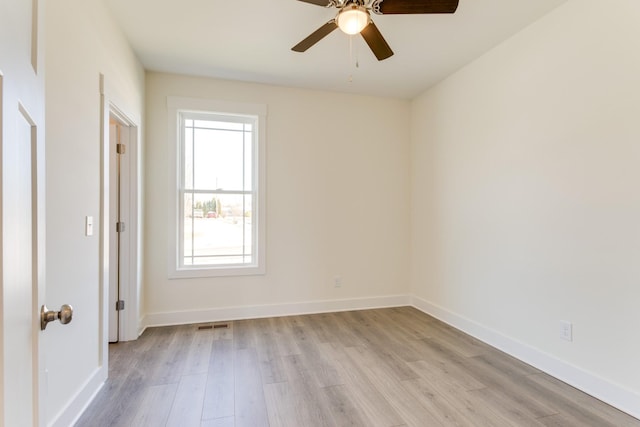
(337, 282)
(566, 330)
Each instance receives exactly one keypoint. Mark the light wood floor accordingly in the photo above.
(387, 367)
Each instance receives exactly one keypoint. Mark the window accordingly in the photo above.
(218, 197)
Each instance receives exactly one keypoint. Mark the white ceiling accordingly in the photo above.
(251, 40)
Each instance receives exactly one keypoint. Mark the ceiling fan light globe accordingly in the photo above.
(352, 19)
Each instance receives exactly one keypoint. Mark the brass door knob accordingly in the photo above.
(64, 315)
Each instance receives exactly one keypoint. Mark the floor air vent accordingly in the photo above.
(213, 326)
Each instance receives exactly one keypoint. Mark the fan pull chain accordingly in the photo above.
(353, 57)
(350, 49)
(351, 53)
(350, 57)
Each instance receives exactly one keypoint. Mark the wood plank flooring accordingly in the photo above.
(386, 367)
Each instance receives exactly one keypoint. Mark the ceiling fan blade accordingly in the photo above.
(316, 36)
(376, 42)
(405, 7)
(325, 3)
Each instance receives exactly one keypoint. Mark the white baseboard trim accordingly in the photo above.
(70, 414)
(613, 394)
(273, 310)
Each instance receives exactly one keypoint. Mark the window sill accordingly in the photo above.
(189, 273)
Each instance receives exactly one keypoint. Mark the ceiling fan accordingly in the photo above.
(354, 16)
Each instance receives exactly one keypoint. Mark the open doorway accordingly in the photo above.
(122, 228)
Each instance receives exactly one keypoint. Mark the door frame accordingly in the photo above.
(129, 318)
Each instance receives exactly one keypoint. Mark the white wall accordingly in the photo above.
(525, 197)
(81, 42)
(337, 204)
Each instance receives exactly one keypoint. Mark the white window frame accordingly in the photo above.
(176, 106)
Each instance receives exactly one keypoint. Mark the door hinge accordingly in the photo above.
(120, 148)
(119, 227)
(120, 305)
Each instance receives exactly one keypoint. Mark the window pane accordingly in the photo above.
(211, 124)
(188, 158)
(188, 229)
(248, 160)
(218, 160)
(216, 229)
(248, 223)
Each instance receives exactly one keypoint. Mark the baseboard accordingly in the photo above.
(273, 310)
(70, 414)
(613, 394)
(141, 326)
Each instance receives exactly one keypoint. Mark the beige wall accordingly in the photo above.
(525, 196)
(81, 42)
(505, 196)
(337, 202)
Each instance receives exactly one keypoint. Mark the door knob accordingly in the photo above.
(64, 315)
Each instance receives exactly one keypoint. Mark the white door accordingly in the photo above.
(22, 212)
(114, 241)
(119, 188)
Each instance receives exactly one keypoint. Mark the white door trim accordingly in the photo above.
(86, 393)
(110, 107)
